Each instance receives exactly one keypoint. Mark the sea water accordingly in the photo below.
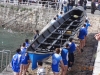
(11, 40)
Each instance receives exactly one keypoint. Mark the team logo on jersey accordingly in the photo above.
(54, 61)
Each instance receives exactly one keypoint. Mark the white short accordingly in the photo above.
(16, 73)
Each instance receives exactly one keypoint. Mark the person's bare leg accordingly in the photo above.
(66, 68)
(80, 46)
(21, 69)
(78, 49)
(62, 72)
(28, 65)
(85, 40)
(25, 67)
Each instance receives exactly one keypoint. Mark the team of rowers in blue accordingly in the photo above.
(63, 58)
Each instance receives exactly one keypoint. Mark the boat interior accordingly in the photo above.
(59, 33)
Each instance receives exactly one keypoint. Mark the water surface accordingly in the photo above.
(11, 40)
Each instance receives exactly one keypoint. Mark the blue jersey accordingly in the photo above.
(26, 44)
(72, 47)
(82, 33)
(64, 54)
(16, 61)
(25, 59)
(23, 51)
(56, 58)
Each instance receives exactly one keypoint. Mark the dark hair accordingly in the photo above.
(40, 63)
(26, 40)
(54, 18)
(71, 39)
(57, 50)
(18, 50)
(23, 44)
(60, 12)
(37, 31)
(86, 20)
(84, 25)
(67, 45)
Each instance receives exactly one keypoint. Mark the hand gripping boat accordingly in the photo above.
(56, 35)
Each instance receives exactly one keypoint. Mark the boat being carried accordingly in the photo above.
(56, 35)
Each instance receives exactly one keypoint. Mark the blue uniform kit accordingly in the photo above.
(71, 50)
(25, 59)
(16, 62)
(82, 33)
(56, 58)
(64, 54)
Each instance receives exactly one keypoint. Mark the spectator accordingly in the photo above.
(81, 36)
(65, 6)
(16, 62)
(81, 2)
(93, 6)
(64, 54)
(40, 70)
(56, 60)
(36, 34)
(70, 5)
(85, 2)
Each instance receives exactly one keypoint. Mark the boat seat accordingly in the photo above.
(46, 44)
(43, 50)
(58, 45)
(67, 34)
(52, 38)
(56, 33)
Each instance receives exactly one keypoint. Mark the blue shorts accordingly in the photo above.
(55, 69)
(65, 62)
(24, 62)
(81, 38)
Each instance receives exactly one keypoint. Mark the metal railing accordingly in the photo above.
(5, 59)
(48, 4)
